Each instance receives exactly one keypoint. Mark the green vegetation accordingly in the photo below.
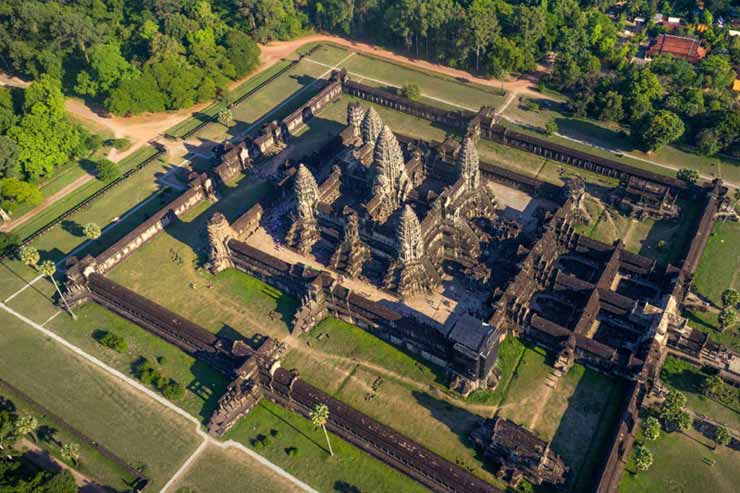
(684, 462)
(230, 471)
(147, 435)
(106, 170)
(349, 466)
(113, 341)
(151, 375)
(722, 403)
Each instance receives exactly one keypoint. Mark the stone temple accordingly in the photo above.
(392, 214)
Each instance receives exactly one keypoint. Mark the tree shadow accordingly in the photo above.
(89, 166)
(593, 133)
(208, 385)
(295, 428)
(73, 228)
(344, 487)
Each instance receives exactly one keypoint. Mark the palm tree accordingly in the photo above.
(91, 231)
(29, 256)
(319, 417)
(26, 425)
(71, 452)
(48, 268)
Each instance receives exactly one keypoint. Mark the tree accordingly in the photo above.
(658, 129)
(411, 91)
(730, 297)
(643, 458)
(651, 428)
(610, 106)
(114, 341)
(25, 425)
(319, 416)
(483, 25)
(8, 242)
(8, 154)
(225, 117)
(713, 386)
(722, 436)
(15, 192)
(717, 71)
(690, 176)
(71, 452)
(106, 170)
(92, 231)
(641, 88)
(29, 256)
(727, 318)
(551, 127)
(672, 414)
(48, 268)
(242, 52)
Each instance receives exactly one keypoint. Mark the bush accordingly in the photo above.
(690, 176)
(120, 144)
(551, 127)
(411, 91)
(107, 170)
(114, 342)
(173, 390)
(8, 243)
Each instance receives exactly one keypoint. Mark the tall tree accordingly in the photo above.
(483, 24)
(319, 417)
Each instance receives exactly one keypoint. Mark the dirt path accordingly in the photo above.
(541, 402)
(47, 462)
(48, 201)
(321, 356)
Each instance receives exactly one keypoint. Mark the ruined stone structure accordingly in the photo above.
(404, 216)
(519, 453)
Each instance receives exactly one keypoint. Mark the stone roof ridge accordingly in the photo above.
(371, 126)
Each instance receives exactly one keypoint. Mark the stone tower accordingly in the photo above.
(391, 182)
(352, 252)
(468, 164)
(372, 125)
(219, 233)
(304, 231)
(355, 114)
(411, 273)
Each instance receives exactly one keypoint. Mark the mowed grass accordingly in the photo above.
(137, 429)
(170, 271)
(72, 199)
(611, 136)
(51, 436)
(275, 100)
(720, 264)
(685, 462)
(687, 378)
(349, 467)
(434, 85)
(219, 470)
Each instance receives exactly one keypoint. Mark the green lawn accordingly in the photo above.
(169, 270)
(720, 264)
(51, 435)
(231, 471)
(685, 463)
(688, 379)
(134, 427)
(349, 467)
(611, 136)
(707, 322)
(510, 355)
(85, 191)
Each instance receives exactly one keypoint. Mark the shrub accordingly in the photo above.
(8, 242)
(551, 127)
(114, 342)
(292, 451)
(730, 297)
(690, 176)
(107, 170)
(662, 245)
(173, 390)
(643, 458)
(411, 91)
(119, 144)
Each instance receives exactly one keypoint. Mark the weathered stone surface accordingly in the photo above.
(372, 125)
(304, 232)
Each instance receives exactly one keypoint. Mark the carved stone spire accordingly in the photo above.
(468, 163)
(371, 126)
(391, 180)
(306, 192)
(410, 244)
(219, 233)
(355, 114)
(304, 231)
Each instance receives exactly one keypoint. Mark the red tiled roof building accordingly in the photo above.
(688, 49)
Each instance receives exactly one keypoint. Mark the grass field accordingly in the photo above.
(643, 236)
(610, 136)
(230, 471)
(396, 389)
(51, 435)
(137, 429)
(169, 270)
(348, 468)
(688, 379)
(685, 462)
(80, 194)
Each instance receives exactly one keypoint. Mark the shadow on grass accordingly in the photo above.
(296, 429)
(208, 385)
(591, 132)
